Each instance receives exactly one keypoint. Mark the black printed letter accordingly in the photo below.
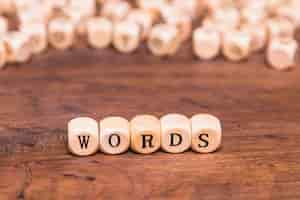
(83, 141)
(147, 139)
(203, 140)
(111, 141)
(172, 135)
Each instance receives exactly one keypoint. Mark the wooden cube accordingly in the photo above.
(126, 36)
(37, 34)
(83, 136)
(61, 33)
(3, 54)
(206, 133)
(164, 40)
(17, 46)
(3, 26)
(99, 32)
(281, 53)
(114, 135)
(175, 133)
(145, 134)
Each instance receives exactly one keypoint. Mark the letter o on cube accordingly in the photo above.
(175, 133)
(114, 135)
(83, 136)
(206, 133)
(145, 134)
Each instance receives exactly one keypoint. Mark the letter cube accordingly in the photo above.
(175, 133)
(83, 136)
(114, 135)
(145, 134)
(206, 133)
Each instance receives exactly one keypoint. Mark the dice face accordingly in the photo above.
(114, 135)
(37, 34)
(236, 45)
(206, 42)
(126, 36)
(145, 134)
(175, 133)
(99, 32)
(18, 48)
(281, 53)
(206, 133)
(3, 55)
(164, 40)
(83, 136)
(61, 33)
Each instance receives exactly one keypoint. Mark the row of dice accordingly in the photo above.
(145, 134)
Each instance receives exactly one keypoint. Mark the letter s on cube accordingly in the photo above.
(175, 133)
(206, 133)
(83, 136)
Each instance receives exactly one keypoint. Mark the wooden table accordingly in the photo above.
(259, 109)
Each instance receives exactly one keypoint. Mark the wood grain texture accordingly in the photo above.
(259, 109)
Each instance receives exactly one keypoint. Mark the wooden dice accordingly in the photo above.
(206, 133)
(83, 136)
(114, 135)
(175, 133)
(61, 33)
(144, 134)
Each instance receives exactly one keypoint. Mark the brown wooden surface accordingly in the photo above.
(259, 109)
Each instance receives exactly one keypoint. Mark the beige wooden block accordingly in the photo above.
(114, 135)
(206, 42)
(3, 26)
(236, 45)
(145, 134)
(115, 10)
(7, 7)
(126, 36)
(3, 54)
(61, 33)
(144, 19)
(100, 32)
(281, 53)
(175, 133)
(191, 8)
(258, 34)
(83, 136)
(17, 46)
(164, 40)
(206, 133)
(280, 27)
(37, 34)
(175, 17)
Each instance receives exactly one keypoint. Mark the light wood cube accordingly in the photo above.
(83, 136)
(3, 55)
(281, 53)
(99, 32)
(114, 135)
(175, 133)
(3, 26)
(17, 46)
(206, 133)
(206, 42)
(145, 134)
(126, 36)
(164, 40)
(37, 34)
(61, 33)
(115, 10)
